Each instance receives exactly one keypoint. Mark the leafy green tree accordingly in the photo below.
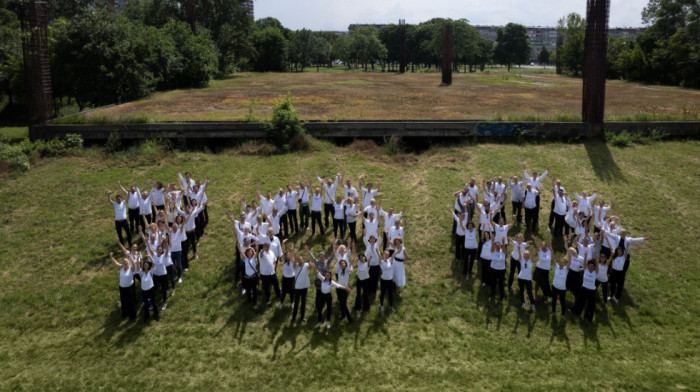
(512, 45)
(11, 67)
(365, 47)
(271, 50)
(570, 54)
(543, 56)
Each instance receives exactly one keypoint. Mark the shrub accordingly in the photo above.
(622, 139)
(14, 157)
(285, 123)
(114, 143)
(393, 146)
(74, 141)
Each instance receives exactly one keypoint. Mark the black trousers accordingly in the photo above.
(542, 280)
(561, 295)
(134, 221)
(292, 219)
(574, 280)
(387, 289)
(284, 226)
(251, 288)
(617, 283)
(127, 297)
(375, 272)
(267, 281)
(497, 278)
(518, 211)
(525, 285)
(193, 243)
(149, 299)
(299, 302)
(604, 286)
(171, 275)
(122, 224)
(316, 218)
(338, 227)
(327, 212)
(551, 214)
(323, 300)
(485, 270)
(352, 229)
(585, 298)
(304, 215)
(161, 282)
(205, 216)
(459, 247)
(199, 227)
(185, 245)
(343, 301)
(469, 257)
(531, 218)
(362, 297)
(287, 288)
(384, 240)
(514, 265)
(559, 223)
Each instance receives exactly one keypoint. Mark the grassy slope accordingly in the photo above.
(61, 327)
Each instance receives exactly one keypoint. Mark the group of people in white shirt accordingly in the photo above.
(174, 218)
(260, 250)
(597, 247)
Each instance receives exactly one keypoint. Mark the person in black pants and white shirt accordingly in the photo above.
(268, 267)
(301, 288)
(127, 289)
(351, 217)
(560, 206)
(530, 198)
(291, 199)
(120, 221)
(304, 212)
(250, 274)
(322, 266)
(460, 232)
(558, 190)
(329, 190)
(316, 200)
(132, 198)
(535, 182)
(516, 197)
(587, 294)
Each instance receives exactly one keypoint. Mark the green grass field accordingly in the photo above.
(60, 327)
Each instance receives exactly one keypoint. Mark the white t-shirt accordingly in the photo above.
(498, 260)
(544, 259)
(288, 269)
(291, 198)
(516, 245)
(602, 275)
(344, 278)
(266, 205)
(119, 210)
(387, 270)
(470, 239)
(362, 270)
(486, 250)
(502, 234)
(367, 196)
(372, 228)
(146, 280)
(316, 201)
(559, 281)
(351, 210)
(267, 262)
(302, 277)
(525, 270)
(589, 279)
(126, 278)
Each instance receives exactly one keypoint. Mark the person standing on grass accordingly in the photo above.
(338, 216)
(557, 190)
(373, 257)
(470, 247)
(288, 274)
(387, 278)
(621, 262)
(560, 205)
(587, 295)
(329, 192)
(301, 288)
(281, 207)
(316, 201)
(602, 276)
(585, 204)
(268, 267)
(516, 197)
(326, 300)
(127, 289)
(351, 214)
(160, 272)
(399, 258)
(177, 237)
(368, 195)
(501, 192)
(544, 263)
(525, 279)
(498, 269)
(343, 272)
(389, 219)
(267, 203)
(371, 225)
(519, 247)
(535, 182)
(561, 270)
(501, 231)
(362, 284)
(120, 221)
(291, 198)
(574, 278)
(148, 292)
(145, 209)
(485, 257)
(321, 266)
(530, 197)
(460, 232)
(132, 197)
(304, 212)
(396, 231)
(599, 214)
(250, 275)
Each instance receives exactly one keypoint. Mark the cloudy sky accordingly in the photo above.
(337, 14)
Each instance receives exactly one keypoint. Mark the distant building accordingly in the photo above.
(250, 6)
(356, 25)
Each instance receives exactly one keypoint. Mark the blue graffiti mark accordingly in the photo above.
(501, 129)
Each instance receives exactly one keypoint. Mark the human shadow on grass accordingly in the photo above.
(126, 331)
(603, 162)
(620, 309)
(527, 318)
(559, 331)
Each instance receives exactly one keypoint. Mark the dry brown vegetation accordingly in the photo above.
(341, 95)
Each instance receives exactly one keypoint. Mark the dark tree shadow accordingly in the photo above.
(603, 162)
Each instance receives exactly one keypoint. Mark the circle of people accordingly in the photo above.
(597, 258)
(175, 217)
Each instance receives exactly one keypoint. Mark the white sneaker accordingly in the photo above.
(522, 306)
(165, 305)
(616, 300)
(172, 292)
(483, 285)
(393, 309)
(187, 269)
(243, 292)
(196, 257)
(303, 320)
(381, 309)
(179, 280)
(609, 298)
(292, 305)
(317, 325)
(532, 306)
(328, 326)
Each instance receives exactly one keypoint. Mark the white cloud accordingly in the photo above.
(337, 15)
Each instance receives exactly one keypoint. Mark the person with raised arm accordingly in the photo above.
(560, 206)
(372, 243)
(267, 203)
(621, 262)
(351, 214)
(599, 214)
(329, 194)
(585, 204)
(389, 219)
(120, 221)
(544, 264)
(338, 216)
(132, 198)
(160, 271)
(177, 238)
(587, 294)
(463, 205)
(460, 233)
(399, 257)
(501, 230)
(250, 274)
(326, 300)
(343, 272)
(290, 199)
(530, 197)
(368, 194)
(362, 283)
(396, 231)
(535, 182)
(557, 190)
(575, 276)
(561, 270)
(501, 191)
(148, 292)
(601, 278)
(525, 277)
(485, 257)
(157, 194)
(371, 225)
(387, 278)
(519, 247)
(498, 269)
(268, 267)
(127, 289)
(145, 210)
(288, 274)
(321, 265)
(516, 197)
(316, 201)
(199, 198)
(470, 247)
(301, 288)
(187, 184)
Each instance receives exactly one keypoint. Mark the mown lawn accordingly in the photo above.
(60, 327)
